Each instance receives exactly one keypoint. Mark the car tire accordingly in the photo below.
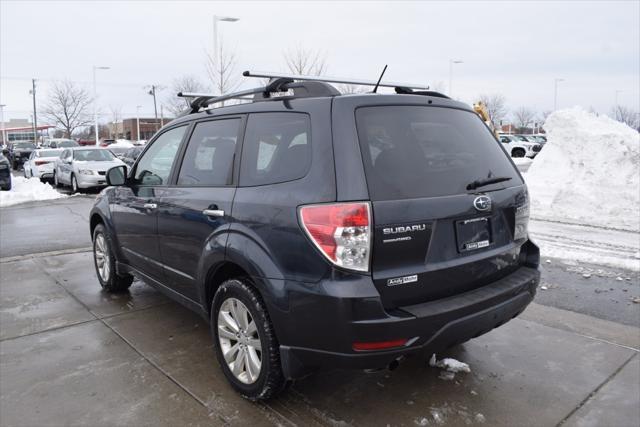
(518, 152)
(104, 261)
(269, 380)
(56, 183)
(14, 165)
(74, 185)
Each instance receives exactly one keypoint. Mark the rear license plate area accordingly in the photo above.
(473, 234)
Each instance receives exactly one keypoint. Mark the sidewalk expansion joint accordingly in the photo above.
(596, 390)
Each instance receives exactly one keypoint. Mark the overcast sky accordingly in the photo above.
(513, 48)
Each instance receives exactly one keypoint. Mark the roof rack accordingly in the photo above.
(264, 74)
(302, 86)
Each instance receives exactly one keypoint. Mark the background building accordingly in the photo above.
(21, 130)
(148, 127)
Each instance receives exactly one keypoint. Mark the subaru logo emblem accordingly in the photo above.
(482, 203)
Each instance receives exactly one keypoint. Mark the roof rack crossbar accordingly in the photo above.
(204, 99)
(264, 74)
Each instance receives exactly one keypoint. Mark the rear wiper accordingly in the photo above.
(482, 182)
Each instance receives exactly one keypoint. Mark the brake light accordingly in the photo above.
(378, 345)
(41, 162)
(342, 232)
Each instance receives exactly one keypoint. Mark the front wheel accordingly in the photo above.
(74, 184)
(55, 180)
(105, 263)
(245, 341)
(517, 153)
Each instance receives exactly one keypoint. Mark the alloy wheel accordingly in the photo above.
(239, 340)
(101, 252)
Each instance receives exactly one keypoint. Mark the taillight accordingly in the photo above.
(41, 162)
(342, 232)
(521, 229)
(379, 345)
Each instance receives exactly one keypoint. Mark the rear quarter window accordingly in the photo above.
(277, 148)
(414, 151)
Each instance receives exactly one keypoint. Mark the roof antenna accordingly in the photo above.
(375, 89)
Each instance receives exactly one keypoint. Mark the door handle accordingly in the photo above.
(150, 206)
(213, 212)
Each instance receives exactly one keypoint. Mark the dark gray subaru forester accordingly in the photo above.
(315, 230)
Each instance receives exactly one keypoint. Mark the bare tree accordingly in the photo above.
(523, 117)
(186, 83)
(305, 61)
(495, 104)
(68, 106)
(627, 116)
(221, 71)
(349, 88)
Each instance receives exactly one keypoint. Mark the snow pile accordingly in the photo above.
(27, 190)
(522, 163)
(450, 366)
(121, 143)
(588, 172)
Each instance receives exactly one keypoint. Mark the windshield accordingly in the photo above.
(93, 155)
(118, 150)
(24, 145)
(412, 152)
(49, 153)
(521, 138)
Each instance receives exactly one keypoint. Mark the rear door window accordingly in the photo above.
(277, 148)
(413, 152)
(210, 154)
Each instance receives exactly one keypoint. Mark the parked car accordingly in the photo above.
(130, 156)
(517, 147)
(41, 163)
(86, 142)
(320, 231)
(5, 173)
(60, 143)
(83, 167)
(18, 152)
(118, 150)
(540, 139)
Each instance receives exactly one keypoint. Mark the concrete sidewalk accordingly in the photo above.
(70, 354)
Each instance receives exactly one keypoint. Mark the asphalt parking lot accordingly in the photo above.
(73, 355)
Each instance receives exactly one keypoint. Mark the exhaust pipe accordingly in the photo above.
(395, 363)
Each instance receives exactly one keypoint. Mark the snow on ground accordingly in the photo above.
(27, 190)
(522, 163)
(450, 367)
(122, 143)
(588, 172)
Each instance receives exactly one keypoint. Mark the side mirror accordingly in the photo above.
(117, 175)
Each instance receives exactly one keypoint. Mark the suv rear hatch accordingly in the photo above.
(449, 207)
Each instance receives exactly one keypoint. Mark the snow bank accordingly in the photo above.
(588, 172)
(27, 190)
(121, 143)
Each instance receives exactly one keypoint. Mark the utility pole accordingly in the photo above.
(35, 117)
(152, 92)
(161, 115)
(138, 122)
(4, 135)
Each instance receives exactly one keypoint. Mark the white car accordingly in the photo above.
(517, 148)
(84, 167)
(40, 163)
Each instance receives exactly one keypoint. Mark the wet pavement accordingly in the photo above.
(71, 354)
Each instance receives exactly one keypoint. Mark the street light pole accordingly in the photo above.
(35, 117)
(138, 121)
(95, 101)
(555, 93)
(4, 136)
(451, 62)
(217, 56)
(152, 92)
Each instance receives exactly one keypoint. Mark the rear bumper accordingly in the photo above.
(430, 327)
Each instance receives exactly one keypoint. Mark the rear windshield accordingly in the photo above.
(413, 151)
(93, 155)
(24, 145)
(66, 144)
(49, 153)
